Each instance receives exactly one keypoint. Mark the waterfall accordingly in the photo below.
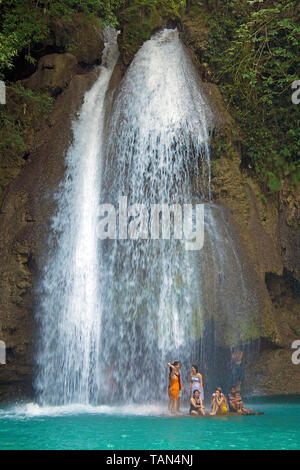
(69, 310)
(157, 146)
(113, 312)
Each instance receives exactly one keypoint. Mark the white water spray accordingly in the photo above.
(113, 312)
(69, 313)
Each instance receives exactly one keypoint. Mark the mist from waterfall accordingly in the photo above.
(111, 313)
(156, 150)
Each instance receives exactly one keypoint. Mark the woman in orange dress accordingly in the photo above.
(175, 387)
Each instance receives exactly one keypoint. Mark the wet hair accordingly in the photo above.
(171, 370)
(170, 373)
(195, 367)
(195, 392)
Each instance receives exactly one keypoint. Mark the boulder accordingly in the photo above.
(79, 35)
(53, 74)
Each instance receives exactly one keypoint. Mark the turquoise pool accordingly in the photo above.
(137, 427)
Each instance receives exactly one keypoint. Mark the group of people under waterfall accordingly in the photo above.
(220, 404)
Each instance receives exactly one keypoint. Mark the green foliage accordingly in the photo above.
(25, 22)
(26, 108)
(21, 25)
(253, 47)
(24, 27)
(18, 120)
(140, 17)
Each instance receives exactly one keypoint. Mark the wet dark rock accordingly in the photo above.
(53, 74)
(140, 19)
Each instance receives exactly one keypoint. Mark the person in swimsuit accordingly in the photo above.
(175, 387)
(218, 403)
(236, 402)
(196, 404)
(196, 382)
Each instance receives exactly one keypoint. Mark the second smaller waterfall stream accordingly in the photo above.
(69, 312)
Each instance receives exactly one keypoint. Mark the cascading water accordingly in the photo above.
(115, 311)
(69, 312)
(156, 146)
(157, 294)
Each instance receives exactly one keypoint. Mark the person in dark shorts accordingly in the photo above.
(237, 371)
(233, 400)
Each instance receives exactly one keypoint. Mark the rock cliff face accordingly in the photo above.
(266, 229)
(139, 19)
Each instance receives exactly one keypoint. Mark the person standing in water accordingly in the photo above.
(237, 370)
(175, 387)
(196, 382)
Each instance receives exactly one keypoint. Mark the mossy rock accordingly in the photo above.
(54, 73)
(140, 18)
(80, 35)
(19, 118)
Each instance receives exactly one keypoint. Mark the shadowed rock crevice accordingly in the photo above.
(77, 34)
(281, 286)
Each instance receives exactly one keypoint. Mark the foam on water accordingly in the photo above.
(33, 410)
